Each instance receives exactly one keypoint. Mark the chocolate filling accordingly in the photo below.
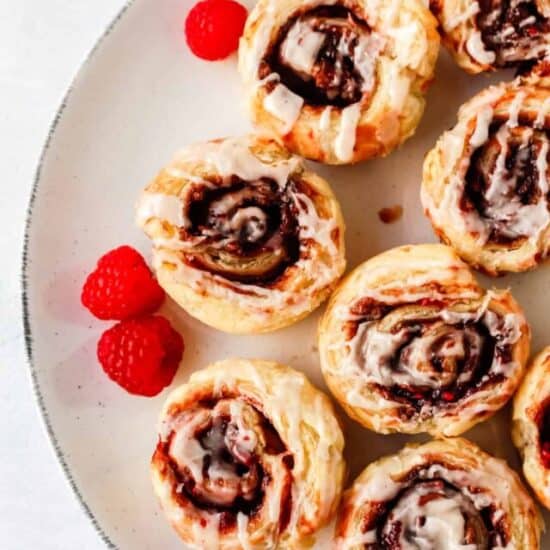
(457, 362)
(515, 31)
(246, 231)
(480, 527)
(543, 422)
(520, 167)
(232, 468)
(334, 79)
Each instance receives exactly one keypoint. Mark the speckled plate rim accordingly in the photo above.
(28, 337)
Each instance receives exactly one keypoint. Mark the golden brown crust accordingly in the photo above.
(530, 406)
(285, 440)
(464, 495)
(401, 44)
(485, 182)
(411, 343)
(245, 239)
(488, 35)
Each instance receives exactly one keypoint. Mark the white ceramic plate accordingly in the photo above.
(139, 98)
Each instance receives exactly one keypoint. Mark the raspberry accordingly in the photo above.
(141, 355)
(122, 286)
(213, 28)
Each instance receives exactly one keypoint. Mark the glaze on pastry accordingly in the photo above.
(531, 425)
(484, 35)
(486, 182)
(249, 456)
(443, 494)
(411, 343)
(245, 239)
(338, 81)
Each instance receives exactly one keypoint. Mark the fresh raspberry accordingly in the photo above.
(213, 28)
(141, 355)
(122, 286)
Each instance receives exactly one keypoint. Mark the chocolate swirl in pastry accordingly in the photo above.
(245, 239)
(443, 494)
(338, 81)
(486, 183)
(531, 425)
(484, 35)
(411, 343)
(249, 456)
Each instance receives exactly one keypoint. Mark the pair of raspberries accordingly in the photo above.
(141, 352)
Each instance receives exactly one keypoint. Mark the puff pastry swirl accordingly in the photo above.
(411, 343)
(338, 81)
(531, 425)
(245, 239)
(443, 494)
(249, 456)
(484, 35)
(486, 183)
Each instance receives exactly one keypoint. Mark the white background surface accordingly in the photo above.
(42, 43)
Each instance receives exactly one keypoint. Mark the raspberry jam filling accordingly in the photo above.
(245, 231)
(516, 31)
(326, 56)
(215, 454)
(504, 187)
(430, 356)
(432, 513)
(543, 422)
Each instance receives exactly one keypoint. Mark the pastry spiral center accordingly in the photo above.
(507, 183)
(217, 456)
(245, 231)
(433, 514)
(326, 56)
(515, 30)
(422, 355)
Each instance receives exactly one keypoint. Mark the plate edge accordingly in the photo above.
(27, 332)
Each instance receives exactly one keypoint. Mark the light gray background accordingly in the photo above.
(42, 43)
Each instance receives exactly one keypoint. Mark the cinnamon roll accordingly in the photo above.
(411, 343)
(531, 425)
(443, 494)
(484, 35)
(249, 456)
(245, 239)
(486, 182)
(338, 81)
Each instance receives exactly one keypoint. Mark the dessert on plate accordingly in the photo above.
(249, 456)
(486, 182)
(485, 35)
(411, 343)
(531, 425)
(245, 238)
(338, 81)
(442, 494)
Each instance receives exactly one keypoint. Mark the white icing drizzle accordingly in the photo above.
(345, 140)
(301, 46)
(481, 133)
(168, 208)
(476, 48)
(324, 121)
(464, 13)
(542, 113)
(285, 105)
